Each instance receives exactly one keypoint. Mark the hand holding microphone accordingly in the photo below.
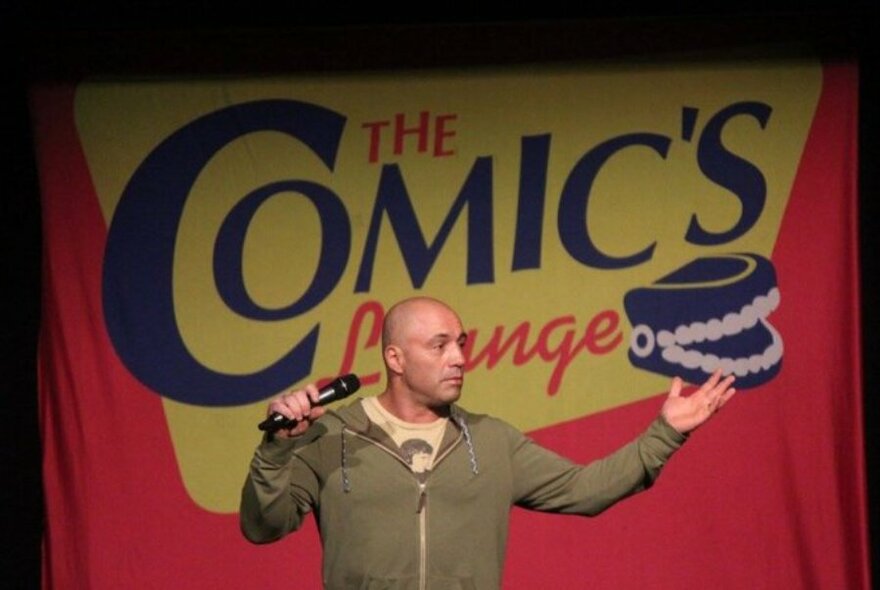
(295, 411)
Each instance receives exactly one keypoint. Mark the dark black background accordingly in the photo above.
(51, 41)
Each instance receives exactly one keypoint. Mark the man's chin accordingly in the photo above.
(454, 392)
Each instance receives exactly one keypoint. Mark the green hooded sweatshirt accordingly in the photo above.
(384, 526)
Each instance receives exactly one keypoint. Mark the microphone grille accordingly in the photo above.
(349, 384)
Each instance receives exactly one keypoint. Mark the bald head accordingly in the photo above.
(404, 314)
(423, 349)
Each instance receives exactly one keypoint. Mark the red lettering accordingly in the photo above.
(373, 339)
(375, 136)
(563, 353)
(440, 134)
(600, 337)
(554, 343)
(494, 350)
(420, 131)
(603, 325)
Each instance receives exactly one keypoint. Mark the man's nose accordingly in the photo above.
(457, 355)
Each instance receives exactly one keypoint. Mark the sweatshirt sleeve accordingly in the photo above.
(549, 482)
(280, 490)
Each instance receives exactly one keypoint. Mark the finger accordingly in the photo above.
(722, 388)
(294, 405)
(279, 405)
(720, 395)
(303, 405)
(725, 397)
(711, 382)
(313, 394)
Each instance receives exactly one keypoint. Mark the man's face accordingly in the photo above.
(432, 360)
(420, 461)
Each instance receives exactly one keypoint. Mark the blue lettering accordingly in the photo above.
(335, 247)
(137, 282)
(572, 219)
(732, 172)
(393, 199)
(530, 209)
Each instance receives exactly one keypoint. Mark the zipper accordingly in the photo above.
(423, 536)
(421, 506)
(423, 497)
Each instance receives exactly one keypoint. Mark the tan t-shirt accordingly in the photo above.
(419, 442)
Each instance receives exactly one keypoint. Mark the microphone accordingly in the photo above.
(335, 390)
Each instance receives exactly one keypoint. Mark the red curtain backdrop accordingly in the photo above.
(771, 495)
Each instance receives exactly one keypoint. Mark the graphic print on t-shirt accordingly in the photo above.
(418, 442)
(418, 454)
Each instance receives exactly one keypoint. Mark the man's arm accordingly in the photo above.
(549, 482)
(278, 493)
(280, 489)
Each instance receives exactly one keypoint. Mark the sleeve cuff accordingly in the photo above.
(668, 432)
(277, 451)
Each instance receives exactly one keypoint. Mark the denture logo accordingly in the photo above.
(710, 313)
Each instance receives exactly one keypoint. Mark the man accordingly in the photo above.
(387, 521)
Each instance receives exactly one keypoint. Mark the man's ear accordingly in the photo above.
(394, 358)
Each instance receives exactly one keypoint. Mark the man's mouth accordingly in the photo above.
(710, 313)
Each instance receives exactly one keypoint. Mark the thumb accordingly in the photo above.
(675, 388)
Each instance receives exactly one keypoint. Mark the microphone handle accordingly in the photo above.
(337, 389)
(277, 420)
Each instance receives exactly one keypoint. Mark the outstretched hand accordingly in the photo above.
(685, 413)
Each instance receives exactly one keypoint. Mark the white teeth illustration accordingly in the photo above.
(741, 367)
(710, 313)
(674, 345)
(714, 330)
